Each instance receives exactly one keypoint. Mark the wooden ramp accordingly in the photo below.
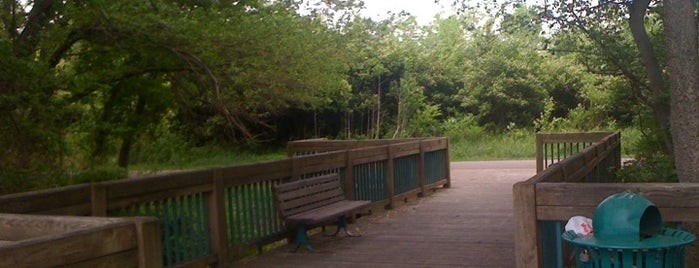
(467, 225)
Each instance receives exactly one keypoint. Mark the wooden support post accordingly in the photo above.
(421, 170)
(390, 176)
(447, 165)
(526, 226)
(295, 169)
(150, 250)
(98, 196)
(218, 239)
(349, 177)
(539, 153)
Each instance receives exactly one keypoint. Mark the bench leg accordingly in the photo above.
(302, 239)
(342, 224)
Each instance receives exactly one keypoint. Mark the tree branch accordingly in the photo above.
(27, 40)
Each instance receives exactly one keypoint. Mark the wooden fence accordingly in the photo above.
(208, 216)
(574, 186)
(52, 241)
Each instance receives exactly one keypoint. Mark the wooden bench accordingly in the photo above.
(313, 202)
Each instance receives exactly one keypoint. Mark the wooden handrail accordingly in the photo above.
(211, 208)
(34, 240)
(575, 186)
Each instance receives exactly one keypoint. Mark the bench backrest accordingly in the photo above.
(307, 194)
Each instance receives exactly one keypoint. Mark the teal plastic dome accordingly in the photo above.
(624, 218)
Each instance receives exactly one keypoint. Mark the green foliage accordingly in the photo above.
(172, 152)
(659, 168)
(164, 84)
(462, 129)
(98, 174)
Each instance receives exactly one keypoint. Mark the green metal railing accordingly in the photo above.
(405, 174)
(434, 166)
(370, 181)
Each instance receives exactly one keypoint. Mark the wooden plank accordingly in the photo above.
(159, 183)
(127, 258)
(257, 172)
(340, 145)
(126, 201)
(434, 144)
(67, 248)
(46, 200)
(563, 213)
(323, 162)
(306, 183)
(84, 209)
(301, 205)
(678, 195)
(526, 227)
(368, 155)
(573, 137)
(329, 213)
(405, 149)
(15, 227)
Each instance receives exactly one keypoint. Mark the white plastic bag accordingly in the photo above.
(580, 225)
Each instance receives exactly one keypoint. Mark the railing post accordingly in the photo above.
(447, 165)
(218, 239)
(98, 200)
(421, 170)
(390, 176)
(539, 153)
(349, 177)
(150, 250)
(295, 168)
(526, 225)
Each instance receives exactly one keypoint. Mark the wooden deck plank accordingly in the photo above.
(467, 225)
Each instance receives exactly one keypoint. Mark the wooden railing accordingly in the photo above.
(575, 186)
(210, 215)
(52, 241)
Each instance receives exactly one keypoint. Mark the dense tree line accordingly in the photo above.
(92, 83)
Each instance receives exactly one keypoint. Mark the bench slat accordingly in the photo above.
(310, 191)
(305, 183)
(303, 205)
(327, 213)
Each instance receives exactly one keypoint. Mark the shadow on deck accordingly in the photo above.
(468, 225)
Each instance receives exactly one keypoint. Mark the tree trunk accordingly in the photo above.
(128, 138)
(378, 111)
(683, 69)
(654, 72)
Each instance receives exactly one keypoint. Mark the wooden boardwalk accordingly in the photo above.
(467, 225)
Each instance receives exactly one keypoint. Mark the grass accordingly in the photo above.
(514, 145)
(518, 144)
(206, 157)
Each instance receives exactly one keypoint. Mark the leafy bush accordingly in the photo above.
(650, 163)
(652, 169)
(462, 129)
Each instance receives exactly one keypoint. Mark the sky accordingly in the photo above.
(423, 10)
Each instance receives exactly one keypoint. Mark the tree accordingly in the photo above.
(82, 82)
